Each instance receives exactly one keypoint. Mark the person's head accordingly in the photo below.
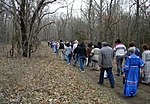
(132, 44)
(95, 46)
(99, 43)
(104, 44)
(131, 50)
(68, 44)
(60, 40)
(81, 44)
(89, 45)
(145, 47)
(118, 41)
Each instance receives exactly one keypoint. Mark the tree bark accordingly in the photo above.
(23, 29)
(137, 24)
(89, 22)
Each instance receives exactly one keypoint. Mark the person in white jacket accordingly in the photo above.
(146, 59)
(95, 56)
(120, 52)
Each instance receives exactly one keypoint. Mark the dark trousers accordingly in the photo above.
(89, 60)
(119, 60)
(110, 76)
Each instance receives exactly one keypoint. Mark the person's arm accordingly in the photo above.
(85, 53)
(126, 67)
(100, 59)
(143, 56)
(125, 49)
(92, 53)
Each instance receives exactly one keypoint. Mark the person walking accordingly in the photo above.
(74, 47)
(55, 47)
(76, 55)
(137, 50)
(120, 51)
(88, 52)
(146, 59)
(61, 48)
(131, 70)
(95, 55)
(105, 63)
(68, 52)
(81, 56)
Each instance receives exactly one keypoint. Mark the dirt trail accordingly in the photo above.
(46, 78)
(143, 93)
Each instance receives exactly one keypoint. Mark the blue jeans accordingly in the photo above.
(119, 60)
(55, 50)
(81, 62)
(75, 59)
(68, 59)
(110, 76)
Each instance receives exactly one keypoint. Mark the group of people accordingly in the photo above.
(101, 57)
(134, 64)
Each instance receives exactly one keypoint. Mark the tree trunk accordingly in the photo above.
(137, 25)
(89, 21)
(23, 29)
(100, 20)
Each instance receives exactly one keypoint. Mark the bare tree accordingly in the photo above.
(137, 23)
(28, 15)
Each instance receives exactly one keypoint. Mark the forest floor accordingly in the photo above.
(46, 79)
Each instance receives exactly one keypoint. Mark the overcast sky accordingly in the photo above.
(76, 6)
(78, 3)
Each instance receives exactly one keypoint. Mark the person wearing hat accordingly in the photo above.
(106, 63)
(131, 70)
(120, 52)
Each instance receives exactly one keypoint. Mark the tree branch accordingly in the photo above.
(44, 26)
(52, 12)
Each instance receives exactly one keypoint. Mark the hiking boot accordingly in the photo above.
(112, 86)
(100, 83)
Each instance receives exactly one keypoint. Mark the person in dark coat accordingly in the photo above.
(81, 56)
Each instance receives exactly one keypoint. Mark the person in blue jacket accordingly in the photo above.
(131, 70)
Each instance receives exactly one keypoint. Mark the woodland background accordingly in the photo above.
(44, 78)
(24, 23)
